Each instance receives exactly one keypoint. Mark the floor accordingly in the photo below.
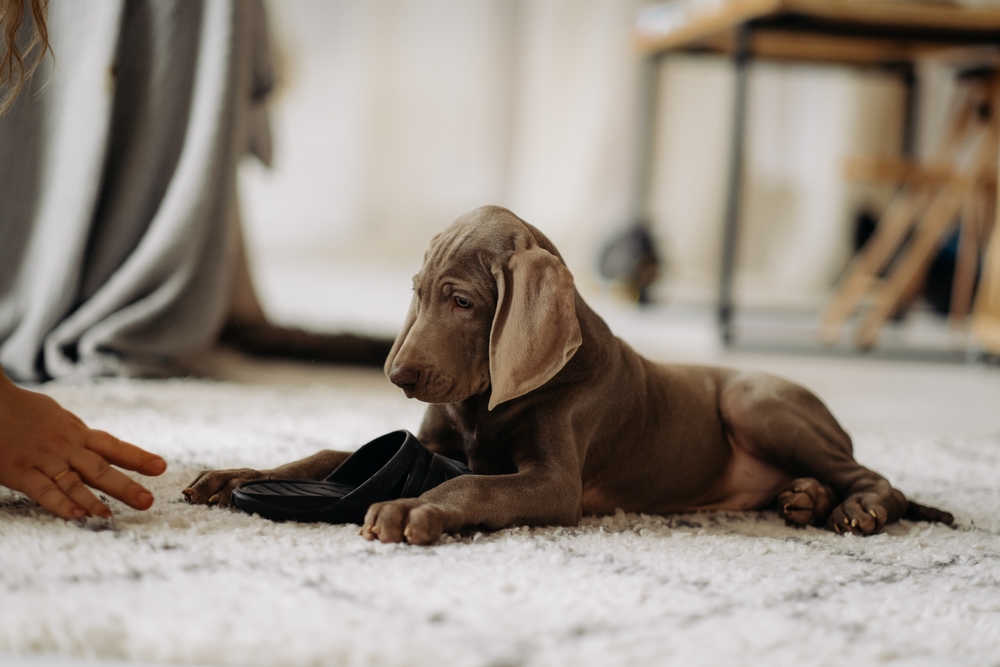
(218, 588)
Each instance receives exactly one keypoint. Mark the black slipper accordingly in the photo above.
(393, 466)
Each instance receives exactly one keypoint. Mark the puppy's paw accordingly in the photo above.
(411, 519)
(860, 514)
(805, 502)
(215, 487)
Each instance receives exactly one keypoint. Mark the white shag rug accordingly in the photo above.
(198, 585)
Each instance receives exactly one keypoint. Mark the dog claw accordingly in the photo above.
(836, 528)
(847, 522)
(786, 509)
(872, 512)
(187, 493)
(854, 523)
(214, 499)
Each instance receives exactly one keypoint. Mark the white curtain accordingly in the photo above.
(394, 117)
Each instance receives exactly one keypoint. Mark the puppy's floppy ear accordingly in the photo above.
(411, 317)
(535, 328)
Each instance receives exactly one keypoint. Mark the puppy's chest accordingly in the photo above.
(486, 453)
(488, 460)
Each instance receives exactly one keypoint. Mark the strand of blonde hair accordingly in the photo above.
(16, 67)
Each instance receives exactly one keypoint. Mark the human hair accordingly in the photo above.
(17, 66)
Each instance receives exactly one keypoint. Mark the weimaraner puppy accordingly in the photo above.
(558, 418)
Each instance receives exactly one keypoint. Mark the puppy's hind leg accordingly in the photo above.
(785, 425)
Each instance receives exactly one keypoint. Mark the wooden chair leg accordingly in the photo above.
(986, 312)
(967, 260)
(986, 320)
(862, 273)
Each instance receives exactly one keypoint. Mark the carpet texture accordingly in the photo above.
(183, 584)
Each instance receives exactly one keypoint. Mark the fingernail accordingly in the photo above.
(78, 513)
(144, 498)
(104, 513)
(158, 465)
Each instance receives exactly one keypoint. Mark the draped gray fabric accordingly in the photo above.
(118, 211)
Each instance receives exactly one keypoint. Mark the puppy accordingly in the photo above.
(558, 418)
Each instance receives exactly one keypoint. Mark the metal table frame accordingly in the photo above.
(888, 35)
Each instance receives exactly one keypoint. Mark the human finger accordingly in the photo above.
(124, 454)
(98, 473)
(72, 486)
(40, 488)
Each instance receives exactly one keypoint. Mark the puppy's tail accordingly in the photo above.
(918, 512)
(263, 339)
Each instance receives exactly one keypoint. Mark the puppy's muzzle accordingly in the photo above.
(406, 378)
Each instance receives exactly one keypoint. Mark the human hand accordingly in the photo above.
(49, 454)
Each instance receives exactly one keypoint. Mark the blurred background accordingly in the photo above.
(392, 118)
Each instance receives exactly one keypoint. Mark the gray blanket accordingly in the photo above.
(118, 211)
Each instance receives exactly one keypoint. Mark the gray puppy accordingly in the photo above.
(558, 418)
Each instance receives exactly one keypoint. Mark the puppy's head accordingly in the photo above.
(494, 308)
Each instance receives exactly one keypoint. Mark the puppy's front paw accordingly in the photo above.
(411, 519)
(215, 487)
(806, 502)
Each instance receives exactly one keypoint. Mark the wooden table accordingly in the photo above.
(866, 33)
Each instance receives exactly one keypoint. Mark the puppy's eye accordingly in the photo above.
(462, 302)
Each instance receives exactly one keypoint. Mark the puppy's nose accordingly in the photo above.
(404, 377)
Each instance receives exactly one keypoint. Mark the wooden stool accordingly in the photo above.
(958, 182)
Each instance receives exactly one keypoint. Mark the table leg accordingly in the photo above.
(645, 140)
(631, 257)
(741, 60)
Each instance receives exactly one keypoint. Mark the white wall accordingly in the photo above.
(395, 117)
